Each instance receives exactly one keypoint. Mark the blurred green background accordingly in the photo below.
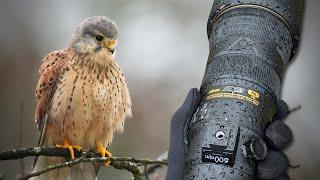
(163, 50)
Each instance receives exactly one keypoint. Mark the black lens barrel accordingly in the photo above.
(251, 43)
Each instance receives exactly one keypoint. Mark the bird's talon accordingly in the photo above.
(66, 145)
(103, 152)
(77, 147)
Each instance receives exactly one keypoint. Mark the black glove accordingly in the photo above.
(278, 136)
(177, 148)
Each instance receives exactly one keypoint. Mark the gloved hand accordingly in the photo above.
(277, 135)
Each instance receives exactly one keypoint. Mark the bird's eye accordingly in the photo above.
(99, 38)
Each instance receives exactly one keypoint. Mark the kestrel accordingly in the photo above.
(82, 97)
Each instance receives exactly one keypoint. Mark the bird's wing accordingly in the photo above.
(52, 67)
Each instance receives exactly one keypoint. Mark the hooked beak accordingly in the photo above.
(110, 44)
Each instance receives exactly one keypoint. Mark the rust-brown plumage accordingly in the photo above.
(82, 96)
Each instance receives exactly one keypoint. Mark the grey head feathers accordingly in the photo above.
(87, 36)
(99, 25)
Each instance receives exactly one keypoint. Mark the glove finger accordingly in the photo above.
(275, 164)
(176, 154)
(278, 135)
(187, 109)
(282, 112)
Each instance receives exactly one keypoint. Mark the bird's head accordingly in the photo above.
(95, 36)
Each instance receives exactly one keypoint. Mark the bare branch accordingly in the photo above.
(127, 163)
(35, 151)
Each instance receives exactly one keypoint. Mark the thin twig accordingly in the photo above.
(295, 109)
(152, 168)
(52, 167)
(294, 166)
